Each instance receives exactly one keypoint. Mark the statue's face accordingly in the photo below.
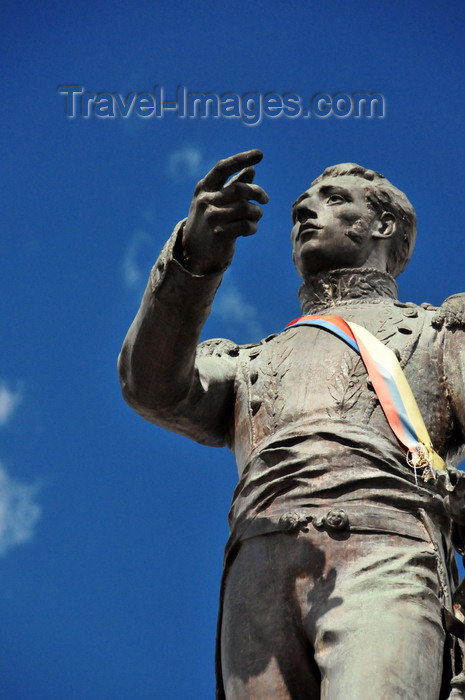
(333, 227)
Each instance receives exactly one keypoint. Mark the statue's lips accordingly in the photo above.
(307, 232)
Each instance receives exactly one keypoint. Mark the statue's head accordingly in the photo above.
(352, 217)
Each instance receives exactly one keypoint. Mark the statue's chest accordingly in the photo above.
(309, 372)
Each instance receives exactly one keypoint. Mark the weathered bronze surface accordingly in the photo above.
(340, 571)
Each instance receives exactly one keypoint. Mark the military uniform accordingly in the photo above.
(339, 562)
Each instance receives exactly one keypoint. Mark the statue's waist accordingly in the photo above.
(341, 520)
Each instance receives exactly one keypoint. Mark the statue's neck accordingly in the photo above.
(346, 285)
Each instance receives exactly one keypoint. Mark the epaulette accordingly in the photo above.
(452, 312)
(218, 347)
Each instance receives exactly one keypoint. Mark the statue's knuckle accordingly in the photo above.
(212, 213)
(221, 165)
(204, 200)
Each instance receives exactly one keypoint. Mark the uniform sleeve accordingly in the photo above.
(165, 376)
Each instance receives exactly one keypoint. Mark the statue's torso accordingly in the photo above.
(309, 428)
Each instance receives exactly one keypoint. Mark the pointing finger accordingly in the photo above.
(223, 170)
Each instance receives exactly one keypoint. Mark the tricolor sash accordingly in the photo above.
(391, 387)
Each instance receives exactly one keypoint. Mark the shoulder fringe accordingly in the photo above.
(452, 313)
(218, 347)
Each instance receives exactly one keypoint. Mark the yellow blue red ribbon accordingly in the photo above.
(391, 387)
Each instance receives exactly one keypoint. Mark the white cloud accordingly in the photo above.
(186, 162)
(133, 272)
(233, 309)
(9, 401)
(19, 511)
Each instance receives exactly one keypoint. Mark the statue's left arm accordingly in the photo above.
(450, 318)
(450, 321)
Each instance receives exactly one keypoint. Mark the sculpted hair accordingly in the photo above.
(384, 197)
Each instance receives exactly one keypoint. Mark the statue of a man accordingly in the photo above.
(339, 570)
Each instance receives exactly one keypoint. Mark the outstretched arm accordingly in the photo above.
(162, 376)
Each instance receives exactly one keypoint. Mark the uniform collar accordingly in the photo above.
(346, 286)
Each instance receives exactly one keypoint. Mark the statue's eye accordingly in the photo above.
(336, 199)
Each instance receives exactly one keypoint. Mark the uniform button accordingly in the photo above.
(336, 519)
(290, 522)
(410, 312)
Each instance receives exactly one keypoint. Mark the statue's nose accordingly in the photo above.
(307, 214)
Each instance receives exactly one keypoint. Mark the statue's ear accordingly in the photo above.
(386, 226)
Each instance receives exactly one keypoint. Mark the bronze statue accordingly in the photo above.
(339, 571)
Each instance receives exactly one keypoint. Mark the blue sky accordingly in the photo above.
(112, 530)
